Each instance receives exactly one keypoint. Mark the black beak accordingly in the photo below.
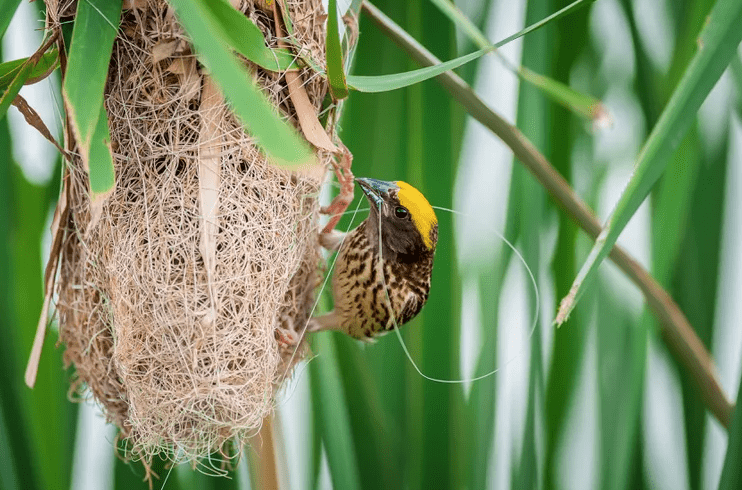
(376, 190)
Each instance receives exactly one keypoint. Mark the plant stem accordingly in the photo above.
(266, 476)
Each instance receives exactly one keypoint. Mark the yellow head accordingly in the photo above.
(404, 213)
(420, 209)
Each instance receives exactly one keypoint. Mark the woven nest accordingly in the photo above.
(178, 345)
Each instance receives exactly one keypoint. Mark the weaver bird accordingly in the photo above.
(364, 275)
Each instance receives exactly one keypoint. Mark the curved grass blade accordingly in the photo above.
(584, 105)
(21, 74)
(7, 10)
(385, 83)
(718, 44)
(9, 70)
(282, 144)
(14, 74)
(556, 15)
(335, 70)
(462, 21)
(246, 38)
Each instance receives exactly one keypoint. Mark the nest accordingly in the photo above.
(169, 306)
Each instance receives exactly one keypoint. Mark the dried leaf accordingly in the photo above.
(308, 121)
(50, 275)
(33, 119)
(163, 50)
(134, 4)
(209, 177)
(190, 81)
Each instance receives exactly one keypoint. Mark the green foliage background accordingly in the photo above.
(376, 422)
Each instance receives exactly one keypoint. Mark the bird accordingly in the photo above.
(385, 261)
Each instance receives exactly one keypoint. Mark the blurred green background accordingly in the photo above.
(599, 403)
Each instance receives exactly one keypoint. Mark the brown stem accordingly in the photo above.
(266, 475)
(676, 330)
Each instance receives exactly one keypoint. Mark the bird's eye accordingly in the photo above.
(401, 212)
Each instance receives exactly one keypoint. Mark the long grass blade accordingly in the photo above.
(43, 418)
(584, 105)
(7, 9)
(731, 474)
(14, 86)
(246, 38)
(385, 83)
(14, 74)
(328, 400)
(718, 43)
(96, 26)
(556, 15)
(8, 474)
(281, 142)
(12, 440)
(8, 70)
(102, 175)
(335, 66)
(529, 211)
(379, 467)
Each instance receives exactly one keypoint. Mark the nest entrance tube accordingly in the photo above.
(170, 302)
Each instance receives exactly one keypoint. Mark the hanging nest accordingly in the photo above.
(170, 301)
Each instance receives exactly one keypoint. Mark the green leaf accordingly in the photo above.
(8, 474)
(328, 399)
(731, 474)
(370, 424)
(243, 474)
(335, 70)
(7, 10)
(43, 420)
(384, 83)
(718, 43)
(281, 142)
(585, 105)
(10, 69)
(102, 174)
(14, 87)
(247, 39)
(476, 35)
(14, 74)
(96, 25)
(736, 67)
(451, 11)
(556, 15)
(621, 359)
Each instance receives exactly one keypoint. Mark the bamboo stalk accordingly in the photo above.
(677, 332)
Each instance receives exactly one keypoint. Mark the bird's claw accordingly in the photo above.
(345, 178)
(287, 338)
